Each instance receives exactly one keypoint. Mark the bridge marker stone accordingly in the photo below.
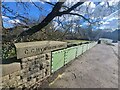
(28, 49)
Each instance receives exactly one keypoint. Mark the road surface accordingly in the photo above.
(96, 68)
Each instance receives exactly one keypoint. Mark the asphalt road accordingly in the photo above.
(96, 68)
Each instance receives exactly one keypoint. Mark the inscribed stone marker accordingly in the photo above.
(28, 49)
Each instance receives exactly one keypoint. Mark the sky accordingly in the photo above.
(32, 11)
(109, 22)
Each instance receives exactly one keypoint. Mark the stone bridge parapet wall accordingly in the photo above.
(34, 64)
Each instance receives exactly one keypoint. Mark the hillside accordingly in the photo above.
(115, 35)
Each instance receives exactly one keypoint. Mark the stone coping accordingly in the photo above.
(27, 49)
(10, 68)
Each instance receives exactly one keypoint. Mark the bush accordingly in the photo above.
(8, 51)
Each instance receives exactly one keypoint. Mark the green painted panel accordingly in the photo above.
(88, 46)
(84, 47)
(95, 43)
(70, 54)
(57, 60)
(79, 50)
(92, 44)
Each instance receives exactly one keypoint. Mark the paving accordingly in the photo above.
(96, 68)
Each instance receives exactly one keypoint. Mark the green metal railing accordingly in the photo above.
(84, 48)
(79, 50)
(64, 56)
(57, 60)
(70, 54)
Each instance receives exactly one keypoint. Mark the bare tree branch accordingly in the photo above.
(40, 8)
(54, 13)
(80, 16)
(72, 8)
(54, 5)
(45, 22)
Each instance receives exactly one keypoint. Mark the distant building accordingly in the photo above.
(105, 40)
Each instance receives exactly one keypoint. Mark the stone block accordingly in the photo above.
(20, 82)
(14, 75)
(10, 68)
(12, 83)
(5, 78)
(24, 80)
(47, 71)
(27, 49)
(5, 85)
(48, 63)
